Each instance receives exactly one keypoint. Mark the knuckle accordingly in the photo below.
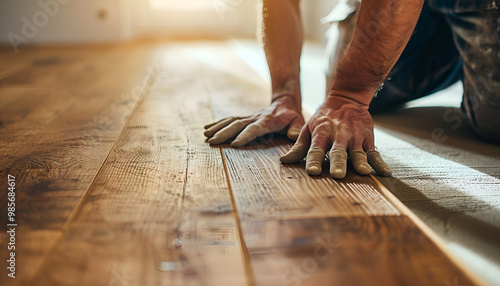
(253, 127)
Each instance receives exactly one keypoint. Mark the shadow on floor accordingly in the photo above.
(441, 131)
(459, 204)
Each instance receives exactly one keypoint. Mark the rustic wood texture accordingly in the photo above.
(159, 212)
(365, 250)
(120, 188)
(279, 205)
(261, 185)
(60, 114)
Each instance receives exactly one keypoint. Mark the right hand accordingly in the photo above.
(281, 115)
(340, 126)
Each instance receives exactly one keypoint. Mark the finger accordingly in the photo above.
(294, 128)
(359, 161)
(314, 160)
(215, 122)
(216, 126)
(227, 132)
(250, 132)
(378, 164)
(338, 163)
(320, 141)
(299, 149)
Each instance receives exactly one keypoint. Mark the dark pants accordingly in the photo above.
(453, 40)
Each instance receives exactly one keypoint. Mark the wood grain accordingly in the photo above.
(286, 215)
(363, 250)
(119, 189)
(262, 186)
(159, 211)
(58, 126)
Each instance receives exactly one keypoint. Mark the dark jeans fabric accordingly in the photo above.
(453, 40)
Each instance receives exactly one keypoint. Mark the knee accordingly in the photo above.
(485, 119)
(489, 130)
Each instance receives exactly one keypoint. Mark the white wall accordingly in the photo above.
(25, 22)
(215, 18)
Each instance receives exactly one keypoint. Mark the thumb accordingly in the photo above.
(295, 127)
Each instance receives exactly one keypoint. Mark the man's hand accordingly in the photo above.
(340, 125)
(281, 114)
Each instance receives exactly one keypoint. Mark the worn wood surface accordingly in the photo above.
(287, 215)
(60, 114)
(159, 212)
(120, 188)
(360, 250)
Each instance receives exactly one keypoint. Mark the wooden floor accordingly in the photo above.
(115, 184)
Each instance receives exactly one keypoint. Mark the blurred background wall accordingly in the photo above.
(24, 22)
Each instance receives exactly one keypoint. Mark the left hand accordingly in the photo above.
(281, 116)
(341, 126)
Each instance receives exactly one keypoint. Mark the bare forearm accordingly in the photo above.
(382, 32)
(282, 37)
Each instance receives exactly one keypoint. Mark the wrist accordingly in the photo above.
(288, 100)
(337, 99)
(288, 89)
(362, 99)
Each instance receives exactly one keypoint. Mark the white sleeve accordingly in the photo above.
(343, 9)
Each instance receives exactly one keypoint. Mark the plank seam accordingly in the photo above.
(427, 231)
(244, 249)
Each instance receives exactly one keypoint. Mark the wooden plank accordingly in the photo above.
(284, 211)
(265, 188)
(363, 250)
(159, 211)
(261, 185)
(57, 135)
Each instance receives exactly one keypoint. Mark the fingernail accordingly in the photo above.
(363, 169)
(386, 173)
(284, 158)
(236, 144)
(293, 136)
(313, 170)
(337, 173)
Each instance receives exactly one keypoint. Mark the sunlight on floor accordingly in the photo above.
(448, 179)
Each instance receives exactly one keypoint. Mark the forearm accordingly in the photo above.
(282, 37)
(382, 32)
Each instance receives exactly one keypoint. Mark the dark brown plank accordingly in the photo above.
(283, 211)
(59, 126)
(159, 212)
(363, 250)
(262, 186)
